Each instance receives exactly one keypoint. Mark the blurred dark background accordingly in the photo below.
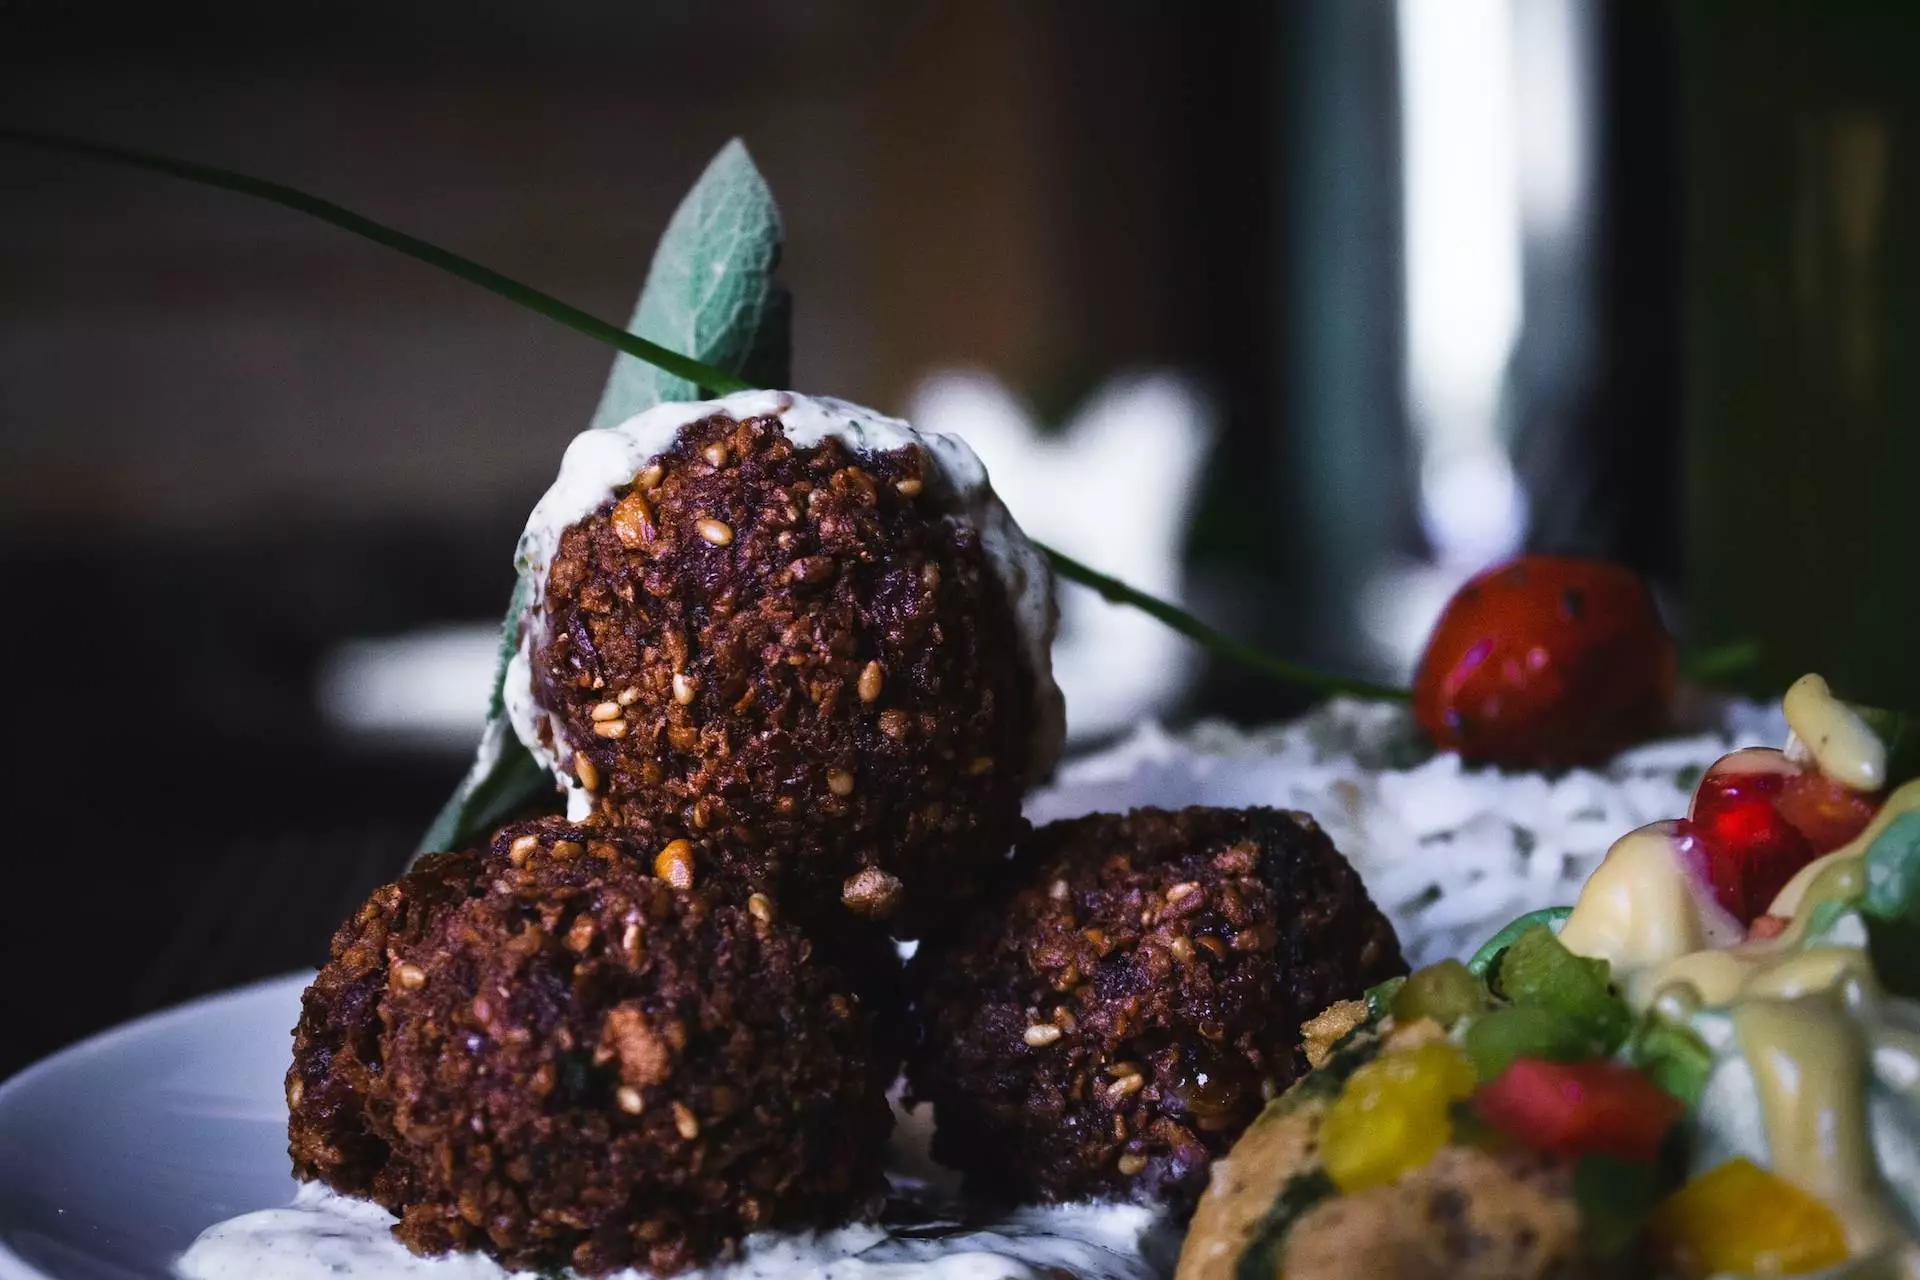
(1449, 279)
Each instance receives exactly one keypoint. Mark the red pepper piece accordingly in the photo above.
(1580, 1108)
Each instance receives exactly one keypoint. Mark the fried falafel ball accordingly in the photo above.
(801, 636)
(563, 1058)
(337, 1044)
(1111, 1021)
(1470, 1213)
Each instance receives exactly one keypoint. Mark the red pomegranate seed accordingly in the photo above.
(1751, 849)
(1826, 813)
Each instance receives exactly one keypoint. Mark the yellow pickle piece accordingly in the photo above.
(1391, 1117)
(1738, 1218)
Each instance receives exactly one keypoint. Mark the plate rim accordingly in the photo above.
(107, 1036)
(12, 1265)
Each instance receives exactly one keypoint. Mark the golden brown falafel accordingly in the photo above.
(563, 1058)
(1112, 1020)
(790, 657)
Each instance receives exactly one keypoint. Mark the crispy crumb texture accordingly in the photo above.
(1112, 1020)
(550, 1053)
(790, 659)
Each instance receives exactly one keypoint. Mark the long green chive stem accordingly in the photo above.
(1721, 662)
(702, 375)
(1118, 592)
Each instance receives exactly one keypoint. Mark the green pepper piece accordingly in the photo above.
(1445, 992)
(1380, 998)
(1524, 1031)
(1485, 958)
(1615, 1199)
(1537, 970)
(1673, 1057)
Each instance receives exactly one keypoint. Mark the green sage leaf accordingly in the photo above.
(505, 778)
(505, 782)
(711, 292)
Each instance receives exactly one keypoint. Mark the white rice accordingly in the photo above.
(1449, 853)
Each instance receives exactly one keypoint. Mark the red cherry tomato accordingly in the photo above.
(1580, 1108)
(1546, 660)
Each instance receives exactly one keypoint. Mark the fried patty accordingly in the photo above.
(791, 658)
(337, 1054)
(1110, 1021)
(1469, 1213)
(549, 1053)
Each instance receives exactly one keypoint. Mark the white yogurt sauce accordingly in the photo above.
(326, 1236)
(598, 463)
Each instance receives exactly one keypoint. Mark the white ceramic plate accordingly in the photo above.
(114, 1154)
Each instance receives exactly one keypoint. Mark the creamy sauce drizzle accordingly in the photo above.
(1722, 977)
(1645, 904)
(1840, 742)
(599, 463)
(1718, 976)
(1810, 1067)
